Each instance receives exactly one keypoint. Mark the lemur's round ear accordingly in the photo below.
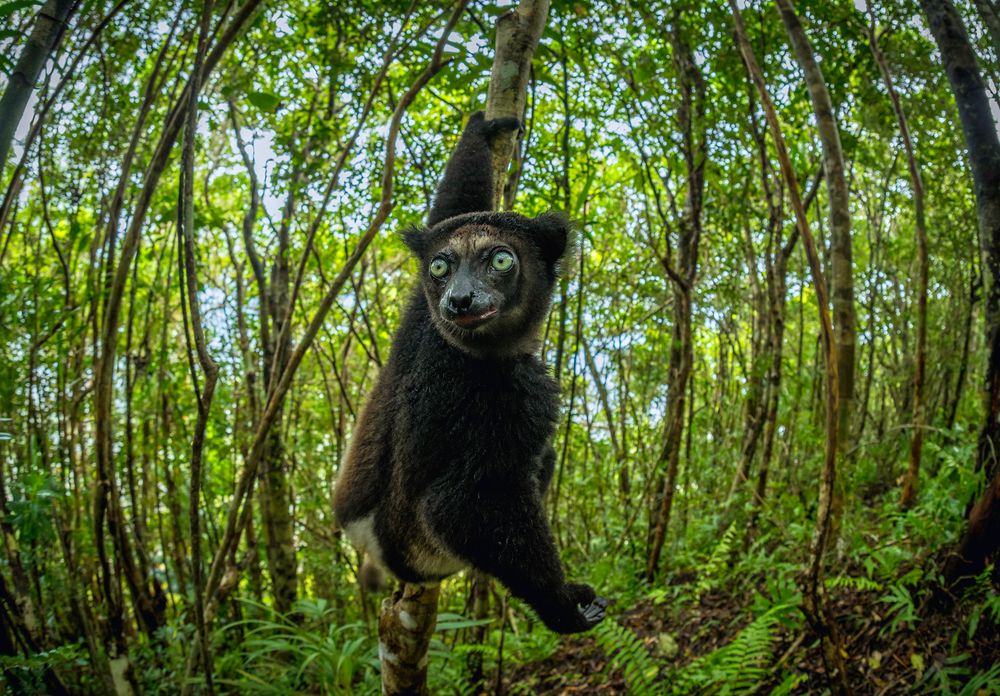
(552, 234)
(416, 239)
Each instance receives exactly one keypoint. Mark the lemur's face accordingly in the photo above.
(472, 277)
(488, 278)
(484, 288)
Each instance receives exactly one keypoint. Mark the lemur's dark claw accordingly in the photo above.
(596, 611)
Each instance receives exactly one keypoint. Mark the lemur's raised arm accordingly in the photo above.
(467, 184)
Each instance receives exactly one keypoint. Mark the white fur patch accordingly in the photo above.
(361, 532)
(435, 562)
(431, 561)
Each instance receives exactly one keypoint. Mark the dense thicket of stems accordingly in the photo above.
(200, 280)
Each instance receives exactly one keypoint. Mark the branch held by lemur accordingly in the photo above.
(518, 33)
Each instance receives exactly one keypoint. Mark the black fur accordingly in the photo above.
(467, 185)
(451, 455)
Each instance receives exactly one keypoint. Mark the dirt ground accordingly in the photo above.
(882, 660)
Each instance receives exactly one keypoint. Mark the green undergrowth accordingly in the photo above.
(722, 618)
(885, 566)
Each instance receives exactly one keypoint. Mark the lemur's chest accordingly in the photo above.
(483, 411)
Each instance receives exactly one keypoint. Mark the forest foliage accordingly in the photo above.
(191, 318)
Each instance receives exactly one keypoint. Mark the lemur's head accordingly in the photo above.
(488, 278)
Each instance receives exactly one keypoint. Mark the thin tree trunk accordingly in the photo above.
(50, 25)
(777, 269)
(776, 291)
(758, 394)
(602, 394)
(405, 626)
(841, 261)
(210, 370)
(679, 370)
(981, 537)
(275, 490)
(567, 429)
(909, 493)
(691, 121)
(814, 604)
(874, 263)
(975, 285)
(518, 32)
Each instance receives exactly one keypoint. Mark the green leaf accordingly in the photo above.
(977, 613)
(453, 622)
(645, 68)
(264, 101)
(9, 8)
(82, 243)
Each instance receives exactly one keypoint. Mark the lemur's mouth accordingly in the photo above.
(474, 321)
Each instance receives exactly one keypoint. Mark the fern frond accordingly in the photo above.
(626, 652)
(739, 666)
(854, 582)
(718, 562)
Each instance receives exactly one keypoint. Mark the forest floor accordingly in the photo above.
(887, 653)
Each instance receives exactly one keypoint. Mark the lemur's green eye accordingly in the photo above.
(502, 261)
(439, 268)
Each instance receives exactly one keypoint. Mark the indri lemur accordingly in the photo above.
(450, 457)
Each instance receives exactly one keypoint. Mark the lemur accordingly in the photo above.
(451, 455)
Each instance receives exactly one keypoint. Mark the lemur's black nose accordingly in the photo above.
(460, 303)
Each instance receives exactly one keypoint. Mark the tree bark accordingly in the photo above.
(841, 266)
(188, 272)
(50, 25)
(678, 371)
(776, 288)
(975, 285)
(981, 537)
(814, 604)
(758, 384)
(776, 303)
(405, 627)
(275, 489)
(518, 33)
